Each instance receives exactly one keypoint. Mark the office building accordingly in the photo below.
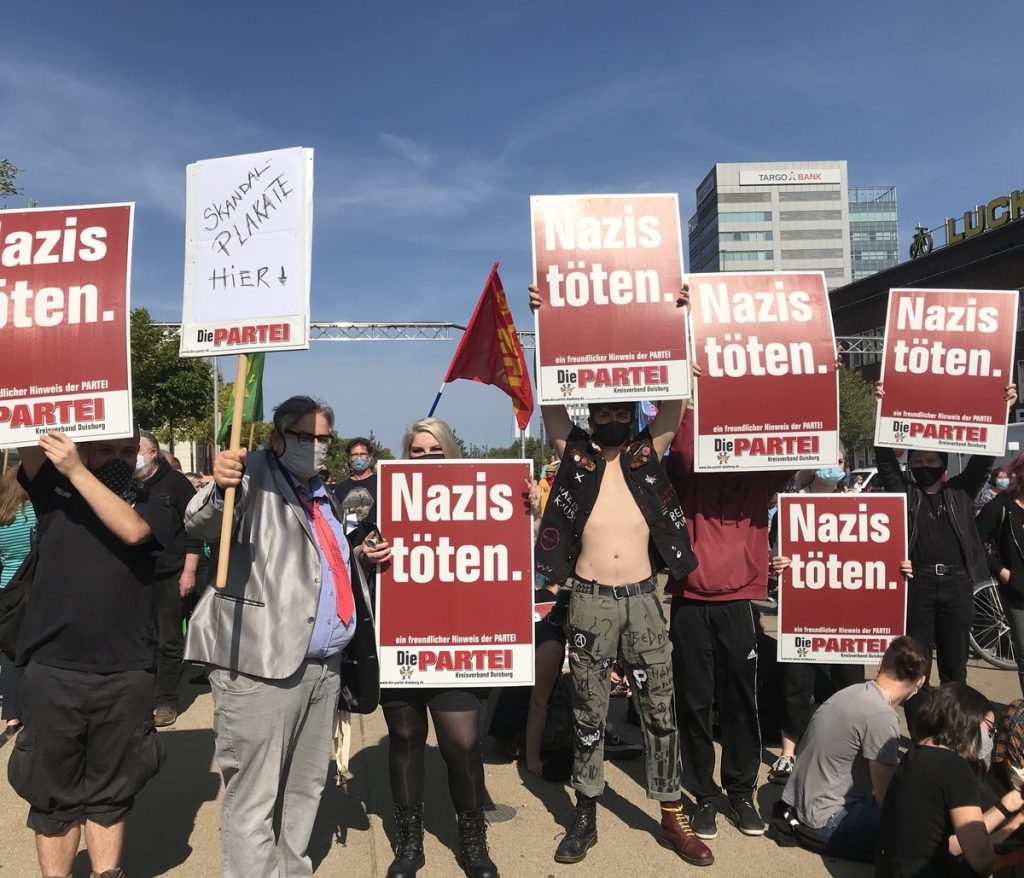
(790, 216)
(874, 234)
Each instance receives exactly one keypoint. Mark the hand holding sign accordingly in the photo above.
(963, 338)
(228, 468)
(843, 595)
(605, 267)
(768, 398)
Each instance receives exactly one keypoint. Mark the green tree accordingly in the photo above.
(7, 174)
(168, 390)
(856, 410)
(536, 452)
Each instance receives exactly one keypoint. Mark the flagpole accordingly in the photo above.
(229, 494)
(437, 399)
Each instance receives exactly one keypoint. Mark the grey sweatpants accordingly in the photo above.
(601, 629)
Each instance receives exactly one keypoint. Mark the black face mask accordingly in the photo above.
(118, 477)
(437, 455)
(926, 476)
(612, 434)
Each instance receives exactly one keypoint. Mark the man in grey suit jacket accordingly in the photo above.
(290, 632)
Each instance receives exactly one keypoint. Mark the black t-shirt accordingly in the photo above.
(90, 603)
(179, 491)
(916, 826)
(936, 541)
(358, 497)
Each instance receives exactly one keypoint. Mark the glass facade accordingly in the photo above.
(874, 238)
(745, 256)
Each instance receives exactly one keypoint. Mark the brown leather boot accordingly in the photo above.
(676, 834)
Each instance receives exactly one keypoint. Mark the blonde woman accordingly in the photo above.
(456, 717)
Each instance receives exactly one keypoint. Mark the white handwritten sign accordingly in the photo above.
(248, 238)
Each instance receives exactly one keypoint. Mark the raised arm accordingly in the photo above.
(117, 516)
(666, 424)
(558, 425)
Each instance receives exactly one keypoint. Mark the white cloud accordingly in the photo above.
(410, 150)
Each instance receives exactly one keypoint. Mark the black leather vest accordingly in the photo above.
(575, 491)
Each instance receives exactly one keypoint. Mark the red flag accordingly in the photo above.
(490, 352)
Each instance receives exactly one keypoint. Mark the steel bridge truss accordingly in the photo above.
(437, 331)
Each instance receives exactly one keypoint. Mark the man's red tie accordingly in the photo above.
(335, 560)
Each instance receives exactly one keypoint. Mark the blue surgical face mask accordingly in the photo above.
(1002, 484)
(830, 475)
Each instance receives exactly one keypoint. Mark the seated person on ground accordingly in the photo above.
(847, 757)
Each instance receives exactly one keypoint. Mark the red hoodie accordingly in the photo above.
(727, 516)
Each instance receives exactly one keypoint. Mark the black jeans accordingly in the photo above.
(940, 610)
(714, 662)
(170, 642)
(807, 683)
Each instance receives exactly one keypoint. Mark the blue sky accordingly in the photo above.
(433, 123)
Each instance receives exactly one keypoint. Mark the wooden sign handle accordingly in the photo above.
(229, 495)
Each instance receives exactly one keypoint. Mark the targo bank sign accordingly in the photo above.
(789, 176)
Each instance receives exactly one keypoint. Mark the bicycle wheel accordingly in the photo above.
(990, 631)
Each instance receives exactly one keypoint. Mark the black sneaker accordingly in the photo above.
(702, 820)
(744, 816)
(616, 748)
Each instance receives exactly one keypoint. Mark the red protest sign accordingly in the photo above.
(64, 296)
(947, 359)
(768, 397)
(609, 268)
(843, 598)
(455, 604)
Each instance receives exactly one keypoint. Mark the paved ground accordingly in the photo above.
(174, 830)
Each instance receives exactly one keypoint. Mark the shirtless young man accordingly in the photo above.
(612, 521)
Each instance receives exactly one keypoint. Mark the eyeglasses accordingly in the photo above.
(359, 457)
(991, 726)
(605, 413)
(310, 438)
(416, 451)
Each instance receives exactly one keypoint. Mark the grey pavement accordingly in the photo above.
(174, 829)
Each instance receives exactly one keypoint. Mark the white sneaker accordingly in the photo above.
(781, 769)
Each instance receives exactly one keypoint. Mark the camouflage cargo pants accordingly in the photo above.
(632, 627)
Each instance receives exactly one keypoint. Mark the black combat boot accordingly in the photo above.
(473, 856)
(409, 857)
(582, 835)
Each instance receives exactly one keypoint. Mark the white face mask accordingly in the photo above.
(984, 743)
(303, 461)
(140, 463)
